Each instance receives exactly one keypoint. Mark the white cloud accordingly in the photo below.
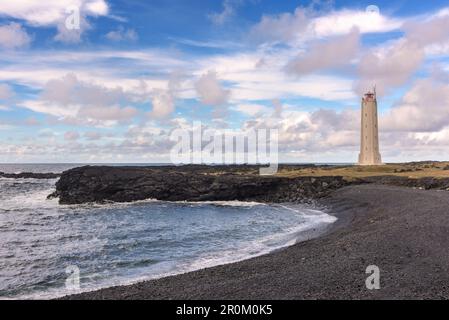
(93, 135)
(305, 133)
(71, 136)
(393, 66)
(329, 120)
(283, 27)
(107, 113)
(50, 12)
(251, 81)
(122, 34)
(437, 50)
(342, 22)
(103, 96)
(46, 133)
(32, 68)
(210, 91)
(52, 109)
(31, 121)
(316, 136)
(424, 108)
(278, 108)
(67, 35)
(69, 90)
(307, 23)
(223, 16)
(433, 30)
(388, 68)
(251, 109)
(327, 88)
(77, 102)
(329, 135)
(13, 36)
(55, 13)
(6, 92)
(334, 52)
(163, 100)
(163, 104)
(97, 7)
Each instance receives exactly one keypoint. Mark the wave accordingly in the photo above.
(28, 180)
(232, 203)
(316, 222)
(265, 245)
(30, 199)
(39, 198)
(112, 204)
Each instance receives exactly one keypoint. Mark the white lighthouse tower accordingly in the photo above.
(369, 146)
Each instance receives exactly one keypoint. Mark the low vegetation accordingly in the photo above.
(412, 170)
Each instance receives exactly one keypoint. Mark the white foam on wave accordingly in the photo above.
(31, 199)
(233, 203)
(115, 205)
(39, 198)
(316, 222)
(110, 204)
(25, 180)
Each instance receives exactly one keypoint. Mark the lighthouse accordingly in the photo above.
(369, 146)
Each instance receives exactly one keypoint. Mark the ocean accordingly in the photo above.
(43, 243)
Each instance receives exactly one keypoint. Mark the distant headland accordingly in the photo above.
(293, 183)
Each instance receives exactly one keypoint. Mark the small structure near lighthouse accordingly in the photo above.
(369, 146)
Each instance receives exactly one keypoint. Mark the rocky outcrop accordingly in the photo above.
(125, 184)
(208, 183)
(29, 175)
(421, 183)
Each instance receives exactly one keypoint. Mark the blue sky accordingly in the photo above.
(113, 89)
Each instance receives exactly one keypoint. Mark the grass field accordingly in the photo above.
(410, 170)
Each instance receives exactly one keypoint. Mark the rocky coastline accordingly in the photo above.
(100, 184)
(126, 184)
(402, 231)
(388, 221)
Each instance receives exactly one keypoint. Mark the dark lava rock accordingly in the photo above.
(126, 184)
(207, 183)
(421, 183)
(29, 175)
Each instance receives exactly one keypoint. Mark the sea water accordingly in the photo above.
(116, 244)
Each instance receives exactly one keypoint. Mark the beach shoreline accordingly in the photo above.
(403, 231)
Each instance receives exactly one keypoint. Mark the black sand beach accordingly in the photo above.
(404, 231)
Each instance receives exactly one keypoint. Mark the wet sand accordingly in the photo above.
(403, 231)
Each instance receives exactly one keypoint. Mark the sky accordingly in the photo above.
(114, 89)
